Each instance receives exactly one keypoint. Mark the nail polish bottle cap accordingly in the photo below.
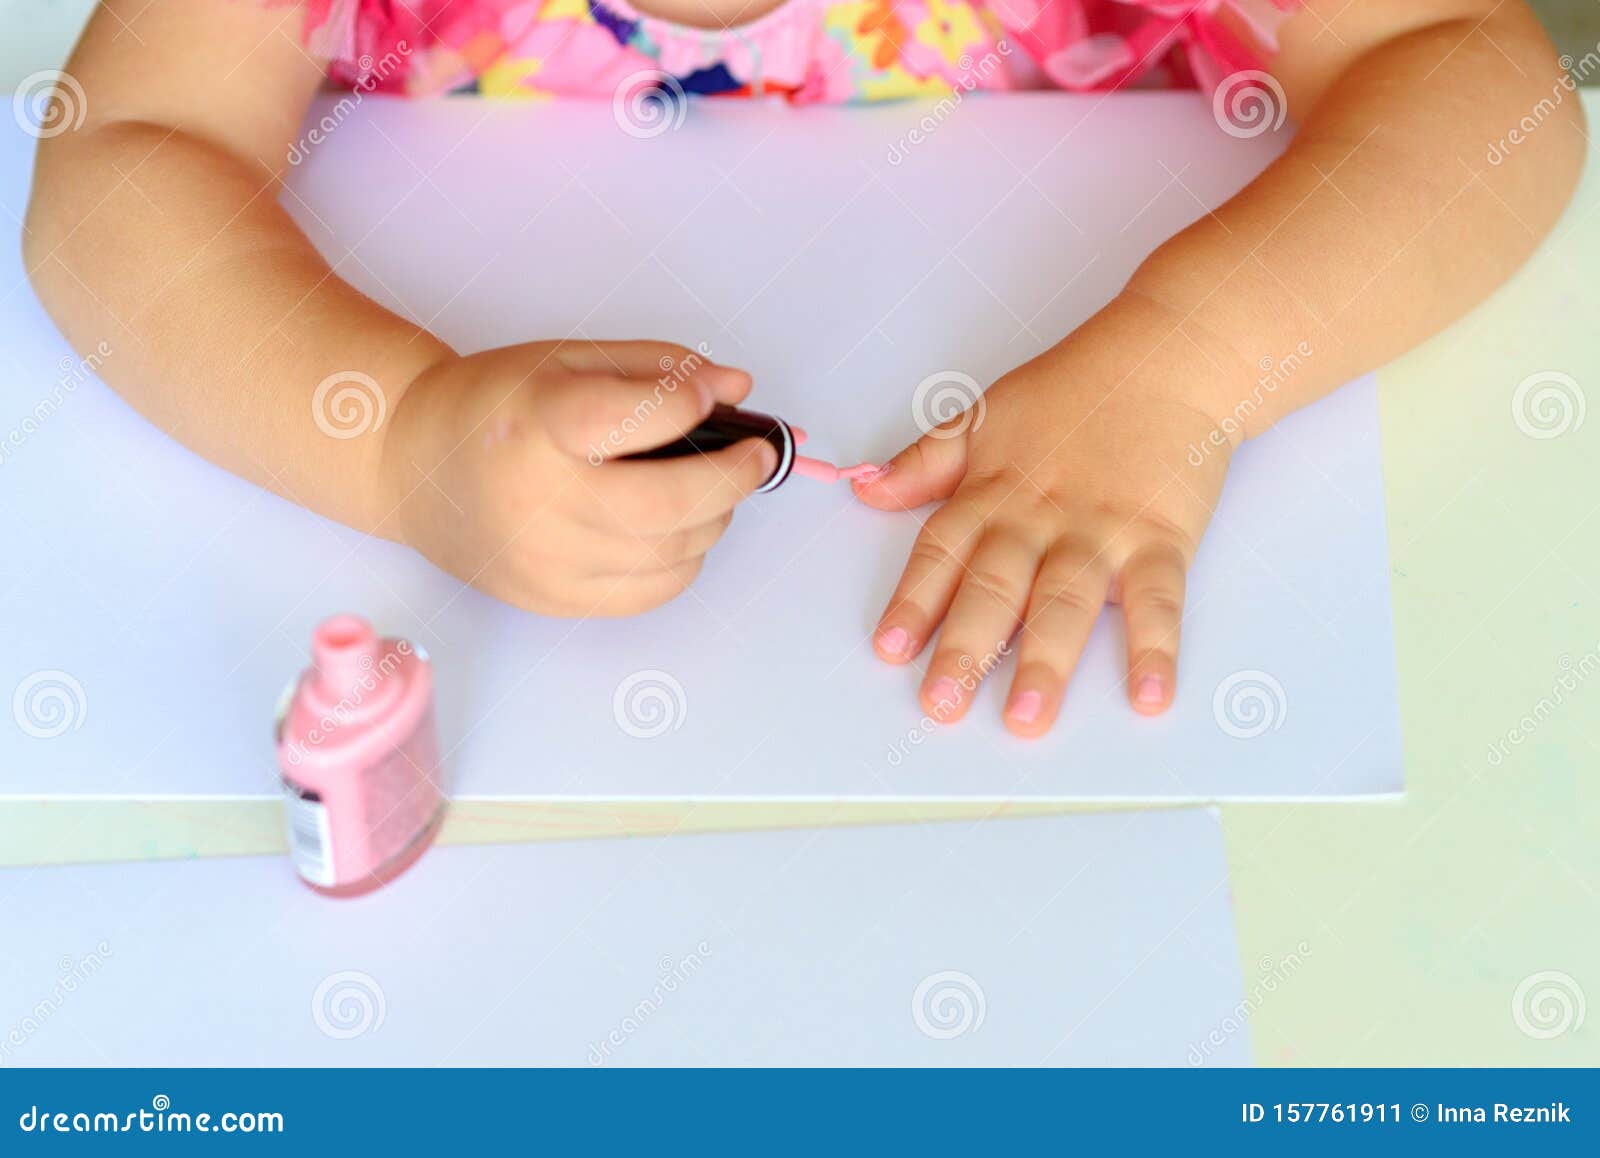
(350, 671)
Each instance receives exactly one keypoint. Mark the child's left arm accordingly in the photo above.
(1092, 471)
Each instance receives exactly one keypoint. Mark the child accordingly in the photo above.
(158, 219)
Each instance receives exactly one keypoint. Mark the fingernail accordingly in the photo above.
(943, 692)
(1149, 690)
(1025, 706)
(893, 641)
(866, 479)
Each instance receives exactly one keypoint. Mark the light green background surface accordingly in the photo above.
(1413, 922)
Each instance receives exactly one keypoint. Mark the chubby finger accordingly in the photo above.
(928, 470)
(628, 553)
(664, 495)
(1068, 594)
(656, 361)
(1152, 609)
(982, 619)
(928, 583)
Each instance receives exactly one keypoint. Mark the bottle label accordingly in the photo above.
(310, 839)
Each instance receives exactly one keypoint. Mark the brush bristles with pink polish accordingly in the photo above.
(815, 468)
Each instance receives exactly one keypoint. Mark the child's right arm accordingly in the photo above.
(155, 227)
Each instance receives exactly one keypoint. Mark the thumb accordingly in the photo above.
(927, 471)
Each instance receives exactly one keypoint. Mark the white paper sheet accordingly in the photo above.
(169, 603)
(1100, 938)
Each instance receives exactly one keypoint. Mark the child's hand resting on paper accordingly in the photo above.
(1095, 467)
(501, 468)
(1070, 484)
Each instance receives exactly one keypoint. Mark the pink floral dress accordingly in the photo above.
(803, 50)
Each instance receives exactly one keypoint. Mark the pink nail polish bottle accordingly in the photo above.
(360, 759)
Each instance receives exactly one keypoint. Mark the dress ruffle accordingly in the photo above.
(1135, 37)
(809, 50)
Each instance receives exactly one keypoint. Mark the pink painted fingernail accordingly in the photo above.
(893, 641)
(1025, 706)
(943, 692)
(1149, 690)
